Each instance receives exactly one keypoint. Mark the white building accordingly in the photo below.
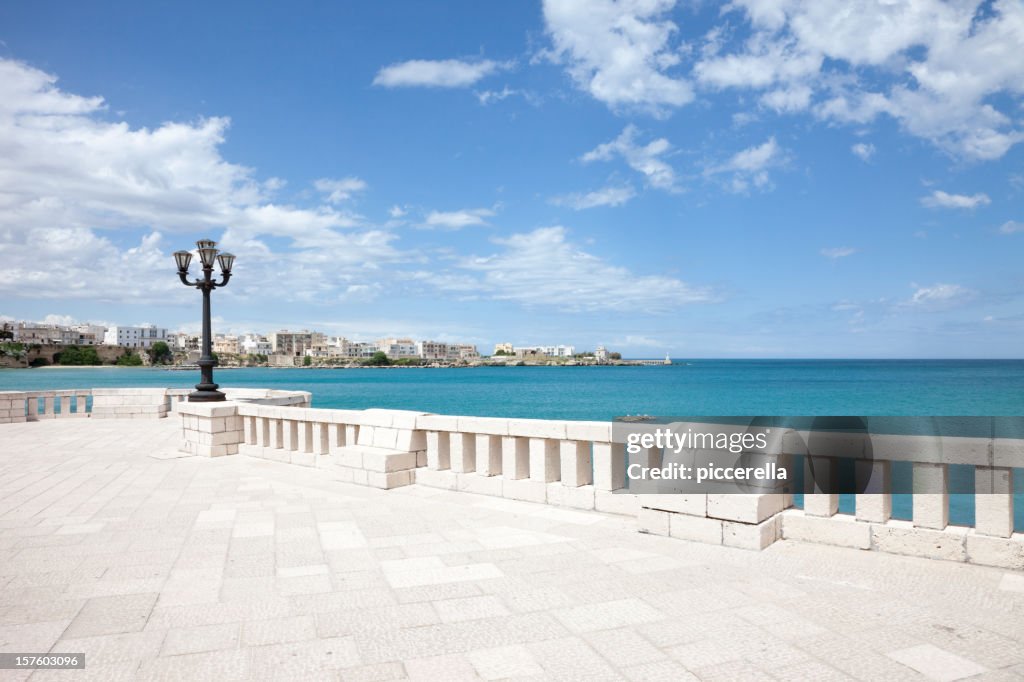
(398, 348)
(89, 334)
(601, 354)
(362, 350)
(254, 344)
(134, 337)
(183, 342)
(550, 351)
(432, 350)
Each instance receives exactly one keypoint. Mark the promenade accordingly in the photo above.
(161, 566)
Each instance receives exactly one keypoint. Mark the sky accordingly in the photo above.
(763, 178)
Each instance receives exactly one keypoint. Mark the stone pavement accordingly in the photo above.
(163, 567)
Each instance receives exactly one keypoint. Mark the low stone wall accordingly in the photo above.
(12, 407)
(108, 354)
(129, 403)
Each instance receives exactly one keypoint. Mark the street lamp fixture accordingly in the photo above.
(206, 391)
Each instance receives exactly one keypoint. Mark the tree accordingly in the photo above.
(502, 351)
(307, 361)
(129, 359)
(78, 355)
(160, 353)
(615, 356)
(6, 333)
(379, 359)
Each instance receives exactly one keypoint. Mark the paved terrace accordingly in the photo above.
(159, 566)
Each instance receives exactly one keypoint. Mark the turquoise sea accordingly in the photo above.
(697, 387)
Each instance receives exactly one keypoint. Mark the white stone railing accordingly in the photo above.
(577, 465)
(22, 406)
(121, 403)
(991, 541)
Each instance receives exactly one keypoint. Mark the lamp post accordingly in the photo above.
(206, 391)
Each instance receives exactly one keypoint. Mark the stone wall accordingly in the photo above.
(108, 354)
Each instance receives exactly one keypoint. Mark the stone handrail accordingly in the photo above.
(991, 540)
(578, 465)
(123, 403)
(21, 406)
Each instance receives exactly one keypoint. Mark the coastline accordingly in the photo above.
(221, 368)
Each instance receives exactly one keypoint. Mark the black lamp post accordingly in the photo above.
(206, 391)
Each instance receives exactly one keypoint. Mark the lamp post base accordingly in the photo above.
(206, 391)
(206, 396)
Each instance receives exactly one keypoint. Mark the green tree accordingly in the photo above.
(307, 361)
(615, 356)
(6, 332)
(78, 355)
(129, 359)
(160, 353)
(379, 359)
(13, 348)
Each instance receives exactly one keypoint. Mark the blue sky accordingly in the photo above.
(768, 178)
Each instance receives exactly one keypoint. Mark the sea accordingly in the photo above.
(686, 387)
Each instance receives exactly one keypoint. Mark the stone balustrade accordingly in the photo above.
(121, 403)
(991, 541)
(22, 406)
(578, 465)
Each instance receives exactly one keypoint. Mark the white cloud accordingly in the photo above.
(542, 268)
(750, 166)
(940, 199)
(1011, 227)
(754, 159)
(939, 295)
(838, 252)
(606, 196)
(340, 190)
(863, 151)
(619, 52)
(644, 159)
(948, 72)
(486, 97)
(443, 73)
(397, 211)
(456, 220)
(634, 341)
(71, 177)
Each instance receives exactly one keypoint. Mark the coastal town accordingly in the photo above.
(28, 344)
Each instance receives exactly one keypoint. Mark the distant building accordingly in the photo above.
(398, 348)
(183, 342)
(361, 350)
(89, 334)
(549, 351)
(601, 354)
(504, 349)
(286, 342)
(432, 350)
(134, 337)
(43, 334)
(226, 344)
(254, 344)
(463, 351)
